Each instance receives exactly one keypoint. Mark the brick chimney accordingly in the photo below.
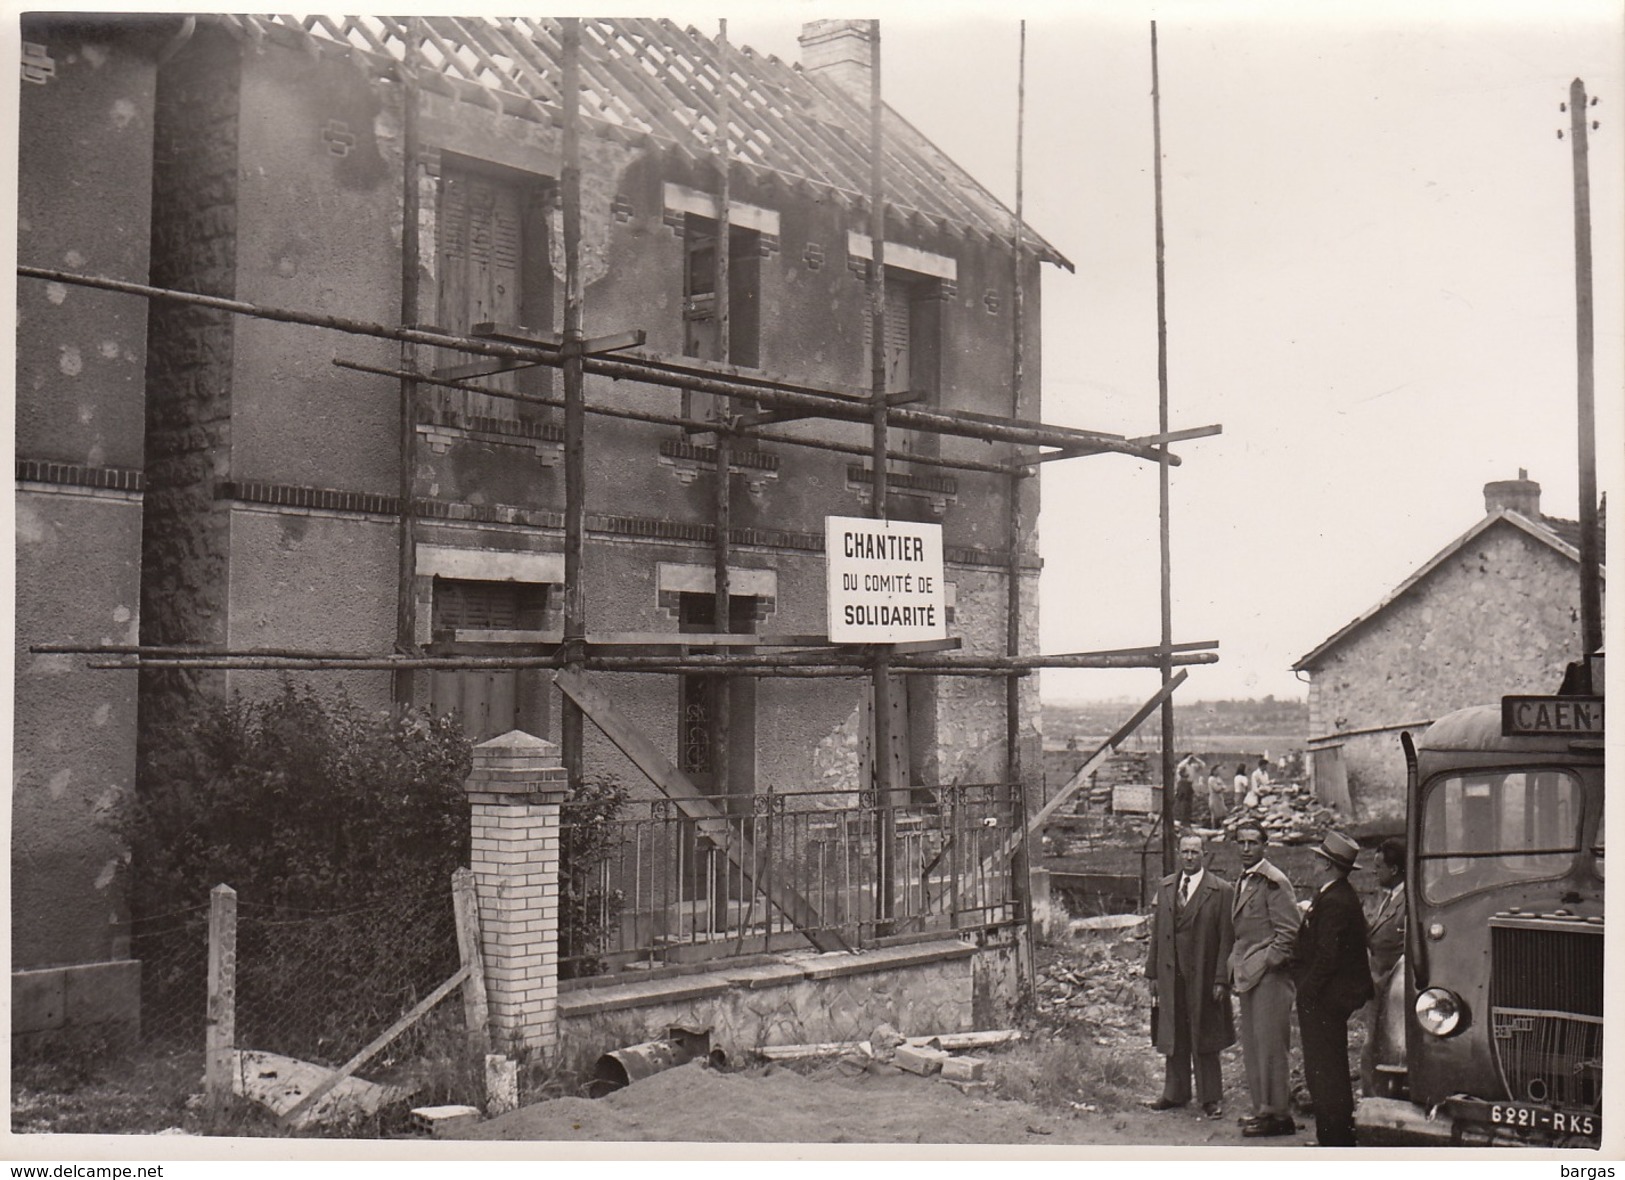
(838, 50)
(1521, 495)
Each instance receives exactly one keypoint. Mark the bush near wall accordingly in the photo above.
(339, 828)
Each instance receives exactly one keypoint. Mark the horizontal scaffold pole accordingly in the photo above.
(468, 385)
(653, 370)
(905, 664)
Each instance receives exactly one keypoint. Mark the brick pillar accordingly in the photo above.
(516, 787)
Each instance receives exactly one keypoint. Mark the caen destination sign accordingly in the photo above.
(885, 580)
(1551, 716)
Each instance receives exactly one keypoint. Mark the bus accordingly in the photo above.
(1494, 1018)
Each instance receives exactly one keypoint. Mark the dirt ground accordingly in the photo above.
(831, 1103)
(1080, 1075)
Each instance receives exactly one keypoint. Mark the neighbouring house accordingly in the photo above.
(187, 476)
(1496, 612)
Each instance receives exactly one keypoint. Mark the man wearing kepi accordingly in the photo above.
(1187, 966)
(1333, 979)
(1265, 919)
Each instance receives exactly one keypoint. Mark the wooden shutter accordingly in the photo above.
(480, 244)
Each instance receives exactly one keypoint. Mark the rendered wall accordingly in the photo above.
(85, 132)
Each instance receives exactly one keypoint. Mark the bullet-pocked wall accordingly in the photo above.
(85, 130)
(270, 476)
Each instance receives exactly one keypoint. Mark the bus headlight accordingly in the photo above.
(1440, 1012)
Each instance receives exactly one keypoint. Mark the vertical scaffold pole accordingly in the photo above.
(1020, 880)
(1169, 832)
(886, 789)
(575, 612)
(722, 505)
(411, 208)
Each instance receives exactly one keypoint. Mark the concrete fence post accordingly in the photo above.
(517, 784)
(220, 1019)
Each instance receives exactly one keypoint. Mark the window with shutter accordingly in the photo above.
(490, 701)
(700, 338)
(491, 267)
(488, 606)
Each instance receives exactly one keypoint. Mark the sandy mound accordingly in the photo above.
(780, 1105)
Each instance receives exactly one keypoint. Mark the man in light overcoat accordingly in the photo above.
(1265, 919)
(1188, 966)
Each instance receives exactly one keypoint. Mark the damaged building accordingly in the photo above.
(209, 474)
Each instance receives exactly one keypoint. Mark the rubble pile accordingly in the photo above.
(1095, 984)
(1288, 813)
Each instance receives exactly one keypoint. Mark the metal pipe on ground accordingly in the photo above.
(619, 1068)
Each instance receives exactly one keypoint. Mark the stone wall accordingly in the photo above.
(926, 988)
(1500, 615)
(184, 563)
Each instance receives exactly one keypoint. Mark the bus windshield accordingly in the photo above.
(1481, 830)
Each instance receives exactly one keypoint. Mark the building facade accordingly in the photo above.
(190, 476)
(1496, 612)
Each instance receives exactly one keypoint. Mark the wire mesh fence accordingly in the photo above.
(315, 985)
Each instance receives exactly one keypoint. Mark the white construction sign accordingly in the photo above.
(885, 580)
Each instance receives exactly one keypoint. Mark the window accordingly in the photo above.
(700, 338)
(492, 267)
(490, 701)
(488, 606)
(1495, 828)
(913, 346)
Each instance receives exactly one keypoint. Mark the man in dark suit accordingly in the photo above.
(1188, 969)
(1333, 979)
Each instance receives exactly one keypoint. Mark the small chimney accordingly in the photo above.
(1521, 495)
(838, 50)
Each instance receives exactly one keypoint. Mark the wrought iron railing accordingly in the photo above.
(673, 889)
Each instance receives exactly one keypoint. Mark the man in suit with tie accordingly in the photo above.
(1385, 946)
(1333, 978)
(1187, 966)
(1265, 919)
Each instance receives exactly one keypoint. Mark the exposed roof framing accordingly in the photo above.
(652, 82)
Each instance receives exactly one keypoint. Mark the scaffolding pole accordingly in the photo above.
(722, 505)
(1020, 862)
(885, 895)
(406, 597)
(652, 370)
(1170, 835)
(572, 726)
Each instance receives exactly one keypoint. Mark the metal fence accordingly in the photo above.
(666, 891)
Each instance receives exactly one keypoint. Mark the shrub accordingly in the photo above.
(339, 828)
(588, 909)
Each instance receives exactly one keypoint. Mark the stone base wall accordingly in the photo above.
(934, 987)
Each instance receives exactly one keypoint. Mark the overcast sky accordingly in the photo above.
(1370, 276)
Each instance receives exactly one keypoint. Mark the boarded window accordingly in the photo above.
(490, 701)
(488, 606)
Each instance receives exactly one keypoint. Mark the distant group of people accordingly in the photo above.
(1220, 796)
(1254, 941)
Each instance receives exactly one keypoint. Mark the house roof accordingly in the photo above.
(1561, 535)
(651, 82)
